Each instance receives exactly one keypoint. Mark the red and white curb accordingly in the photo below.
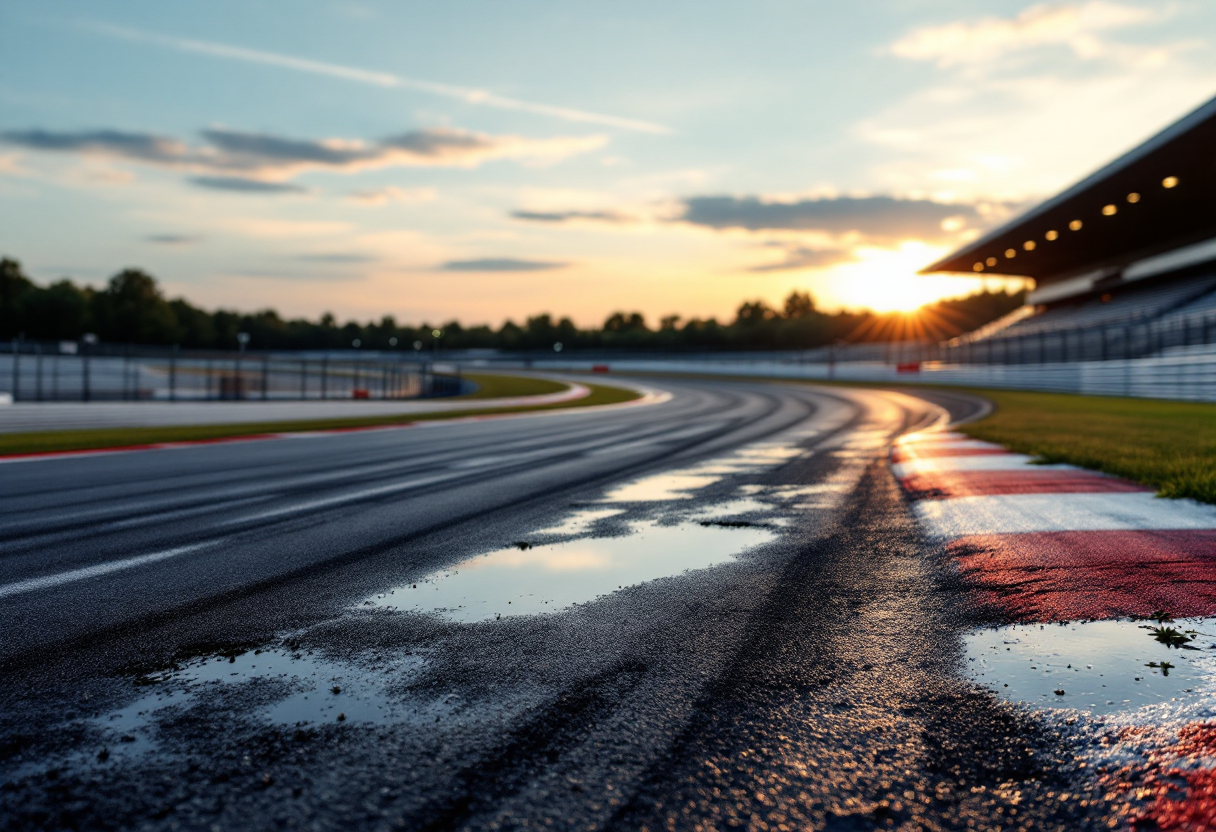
(1047, 543)
(1054, 542)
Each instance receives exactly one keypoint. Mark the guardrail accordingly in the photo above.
(1187, 374)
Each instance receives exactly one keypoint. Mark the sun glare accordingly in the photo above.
(885, 279)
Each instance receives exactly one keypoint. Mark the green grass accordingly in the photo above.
(78, 440)
(494, 386)
(1169, 446)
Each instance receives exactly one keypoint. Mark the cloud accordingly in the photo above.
(501, 264)
(262, 227)
(873, 217)
(802, 257)
(1070, 25)
(382, 196)
(240, 184)
(568, 216)
(11, 164)
(469, 95)
(989, 123)
(228, 158)
(322, 276)
(337, 257)
(143, 147)
(172, 239)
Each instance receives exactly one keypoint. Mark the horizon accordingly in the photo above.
(649, 322)
(485, 163)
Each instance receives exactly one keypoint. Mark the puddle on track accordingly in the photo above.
(675, 485)
(295, 687)
(549, 578)
(732, 508)
(669, 486)
(1103, 667)
(580, 522)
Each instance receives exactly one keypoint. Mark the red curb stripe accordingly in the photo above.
(1065, 576)
(941, 485)
(1072, 575)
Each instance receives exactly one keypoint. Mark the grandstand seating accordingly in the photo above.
(1204, 304)
(1123, 304)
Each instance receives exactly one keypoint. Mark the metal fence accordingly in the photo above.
(1183, 373)
(76, 371)
(1135, 338)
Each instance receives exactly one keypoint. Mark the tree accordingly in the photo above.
(799, 305)
(131, 309)
(59, 312)
(14, 287)
(197, 326)
(754, 312)
(620, 322)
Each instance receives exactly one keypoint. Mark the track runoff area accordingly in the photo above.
(1067, 675)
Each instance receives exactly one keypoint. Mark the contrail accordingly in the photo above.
(469, 95)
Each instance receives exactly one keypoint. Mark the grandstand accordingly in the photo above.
(1124, 262)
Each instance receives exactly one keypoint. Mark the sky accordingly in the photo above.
(491, 160)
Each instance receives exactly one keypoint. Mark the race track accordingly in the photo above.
(714, 610)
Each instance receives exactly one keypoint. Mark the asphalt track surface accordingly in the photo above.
(801, 674)
(27, 417)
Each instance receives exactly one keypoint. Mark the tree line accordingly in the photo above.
(132, 309)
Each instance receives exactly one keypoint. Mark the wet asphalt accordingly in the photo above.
(811, 681)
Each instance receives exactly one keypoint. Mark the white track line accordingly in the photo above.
(49, 581)
(1023, 513)
(354, 496)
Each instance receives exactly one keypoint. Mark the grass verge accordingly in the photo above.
(101, 438)
(1169, 446)
(493, 386)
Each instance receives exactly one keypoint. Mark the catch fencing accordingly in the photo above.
(1182, 373)
(76, 371)
(1130, 338)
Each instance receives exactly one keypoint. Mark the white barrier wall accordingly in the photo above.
(1188, 374)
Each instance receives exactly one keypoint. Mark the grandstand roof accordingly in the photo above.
(1156, 198)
